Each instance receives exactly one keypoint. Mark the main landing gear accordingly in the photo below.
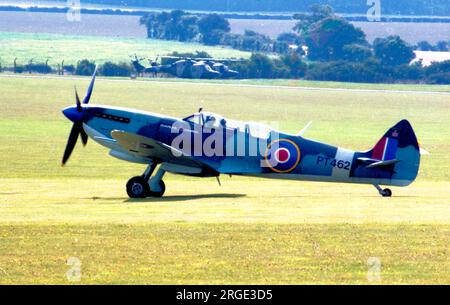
(383, 192)
(146, 185)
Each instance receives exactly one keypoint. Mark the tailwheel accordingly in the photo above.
(386, 193)
(137, 187)
(157, 191)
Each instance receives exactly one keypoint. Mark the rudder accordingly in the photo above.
(399, 143)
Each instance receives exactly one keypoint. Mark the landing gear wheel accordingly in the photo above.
(386, 193)
(137, 187)
(160, 193)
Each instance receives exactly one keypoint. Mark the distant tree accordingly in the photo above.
(393, 51)
(233, 40)
(212, 27)
(69, 68)
(438, 67)
(85, 67)
(290, 38)
(174, 25)
(344, 71)
(188, 28)
(112, 69)
(356, 53)
(294, 62)
(442, 46)
(260, 66)
(439, 78)
(424, 46)
(407, 72)
(317, 13)
(39, 68)
(180, 26)
(438, 73)
(326, 38)
(280, 70)
(255, 42)
(280, 47)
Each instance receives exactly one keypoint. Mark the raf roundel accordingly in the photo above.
(282, 156)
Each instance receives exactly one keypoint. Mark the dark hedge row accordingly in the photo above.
(287, 67)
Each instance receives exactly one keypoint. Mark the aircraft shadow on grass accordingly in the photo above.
(185, 197)
(167, 198)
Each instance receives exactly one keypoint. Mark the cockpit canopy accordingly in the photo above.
(213, 120)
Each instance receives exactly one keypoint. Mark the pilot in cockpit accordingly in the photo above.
(212, 122)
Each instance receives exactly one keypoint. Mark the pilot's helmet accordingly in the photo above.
(210, 118)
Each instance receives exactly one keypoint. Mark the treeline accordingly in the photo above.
(261, 66)
(398, 7)
(83, 67)
(368, 71)
(336, 49)
(440, 46)
(212, 29)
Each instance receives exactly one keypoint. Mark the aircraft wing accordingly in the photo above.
(144, 147)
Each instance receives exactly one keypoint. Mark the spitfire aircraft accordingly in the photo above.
(185, 67)
(206, 144)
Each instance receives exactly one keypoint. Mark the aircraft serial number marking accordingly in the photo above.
(333, 162)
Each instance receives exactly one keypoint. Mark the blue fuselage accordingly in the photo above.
(279, 155)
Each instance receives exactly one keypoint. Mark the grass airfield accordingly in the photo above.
(246, 231)
(72, 48)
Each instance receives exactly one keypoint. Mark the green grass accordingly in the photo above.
(71, 49)
(210, 253)
(314, 84)
(248, 230)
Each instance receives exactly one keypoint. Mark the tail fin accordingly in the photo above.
(399, 146)
(399, 136)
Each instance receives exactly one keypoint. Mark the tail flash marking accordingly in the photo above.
(390, 149)
(378, 150)
(385, 149)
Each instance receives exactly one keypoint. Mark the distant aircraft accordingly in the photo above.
(206, 144)
(185, 67)
(136, 62)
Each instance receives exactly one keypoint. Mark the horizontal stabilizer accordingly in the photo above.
(382, 163)
(424, 152)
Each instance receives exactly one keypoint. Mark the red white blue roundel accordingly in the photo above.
(282, 156)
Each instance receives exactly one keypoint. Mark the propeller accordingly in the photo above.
(75, 114)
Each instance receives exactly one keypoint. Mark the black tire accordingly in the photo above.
(387, 193)
(159, 193)
(137, 187)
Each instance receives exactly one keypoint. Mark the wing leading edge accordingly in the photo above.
(144, 147)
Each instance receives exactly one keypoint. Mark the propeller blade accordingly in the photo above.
(84, 136)
(71, 142)
(77, 98)
(91, 87)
